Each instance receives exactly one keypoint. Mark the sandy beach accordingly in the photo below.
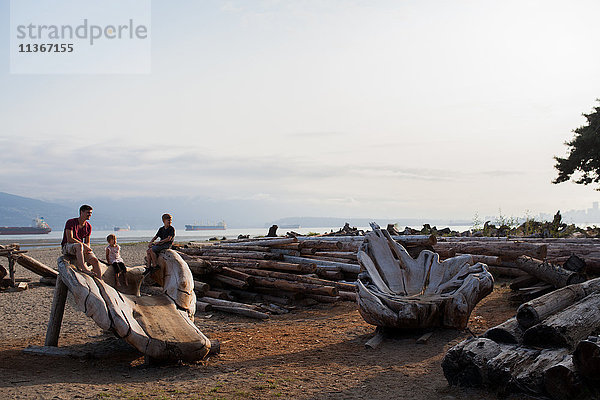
(311, 353)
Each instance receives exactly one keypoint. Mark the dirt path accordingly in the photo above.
(315, 353)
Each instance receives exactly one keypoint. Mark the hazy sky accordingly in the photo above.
(342, 108)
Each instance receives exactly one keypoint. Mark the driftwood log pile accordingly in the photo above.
(398, 291)
(540, 265)
(275, 274)
(553, 250)
(258, 277)
(547, 349)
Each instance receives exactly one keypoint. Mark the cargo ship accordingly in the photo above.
(38, 227)
(121, 228)
(221, 226)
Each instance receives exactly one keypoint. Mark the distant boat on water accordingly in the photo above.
(220, 226)
(38, 227)
(121, 228)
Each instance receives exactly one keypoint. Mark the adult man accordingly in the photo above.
(76, 241)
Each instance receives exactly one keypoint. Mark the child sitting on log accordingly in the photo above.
(113, 257)
(166, 234)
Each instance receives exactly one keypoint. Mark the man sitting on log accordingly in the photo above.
(76, 241)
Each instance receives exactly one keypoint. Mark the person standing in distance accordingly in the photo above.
(76, 241)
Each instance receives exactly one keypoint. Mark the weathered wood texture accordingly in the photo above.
(159, 326)
(559, 250)
(535, 311)
(36, 266)
(507, 332)
(544, 351)
(550, 273)
(563, 382)
(587, 359)
(402, 292)
(505, 250)
(506, 368)
(234, 272)
(56, 313)
(567, 327)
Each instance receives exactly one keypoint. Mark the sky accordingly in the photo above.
(440, 109)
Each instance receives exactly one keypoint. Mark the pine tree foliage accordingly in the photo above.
(584, 153)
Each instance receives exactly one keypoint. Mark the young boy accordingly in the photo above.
(166, 234)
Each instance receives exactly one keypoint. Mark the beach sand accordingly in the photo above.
(313, 353)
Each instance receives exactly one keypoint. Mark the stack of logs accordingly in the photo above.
(540, 265)
(258, 277)
(555, 251)
(15, 255)
(546, 349)
(281, 273)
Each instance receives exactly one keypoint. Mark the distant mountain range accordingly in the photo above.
(19, 211)
(320, 222)
(144, 213)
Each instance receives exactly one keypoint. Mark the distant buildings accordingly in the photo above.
(589, 216)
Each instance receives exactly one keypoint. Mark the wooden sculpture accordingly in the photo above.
(160, 326)
(401, 292)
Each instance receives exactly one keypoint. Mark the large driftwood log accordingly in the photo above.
(36, 266)
(346, 267)
(505, 250)
(566, 328)
(587, 359)
(402, 292)
(464, 364)
(415, 240)
(262, 242)
(228, 281)
(309, 268)
(507, 332)
(298, 278)
(562, 382)
(350, 255)
(481, 362)
(488, 260)
(504, 367)
(535, 311)
(552, 274)
(218, 254)
(291, 286)
(234, 307)
(159, 326)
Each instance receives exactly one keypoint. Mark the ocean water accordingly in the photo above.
(54, 238)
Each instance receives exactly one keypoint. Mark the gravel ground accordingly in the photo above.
(37, 300)
(315, 353)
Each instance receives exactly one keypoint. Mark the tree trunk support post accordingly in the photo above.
(56, 313)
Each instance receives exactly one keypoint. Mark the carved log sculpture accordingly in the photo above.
(401, 292)
(160, 326)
